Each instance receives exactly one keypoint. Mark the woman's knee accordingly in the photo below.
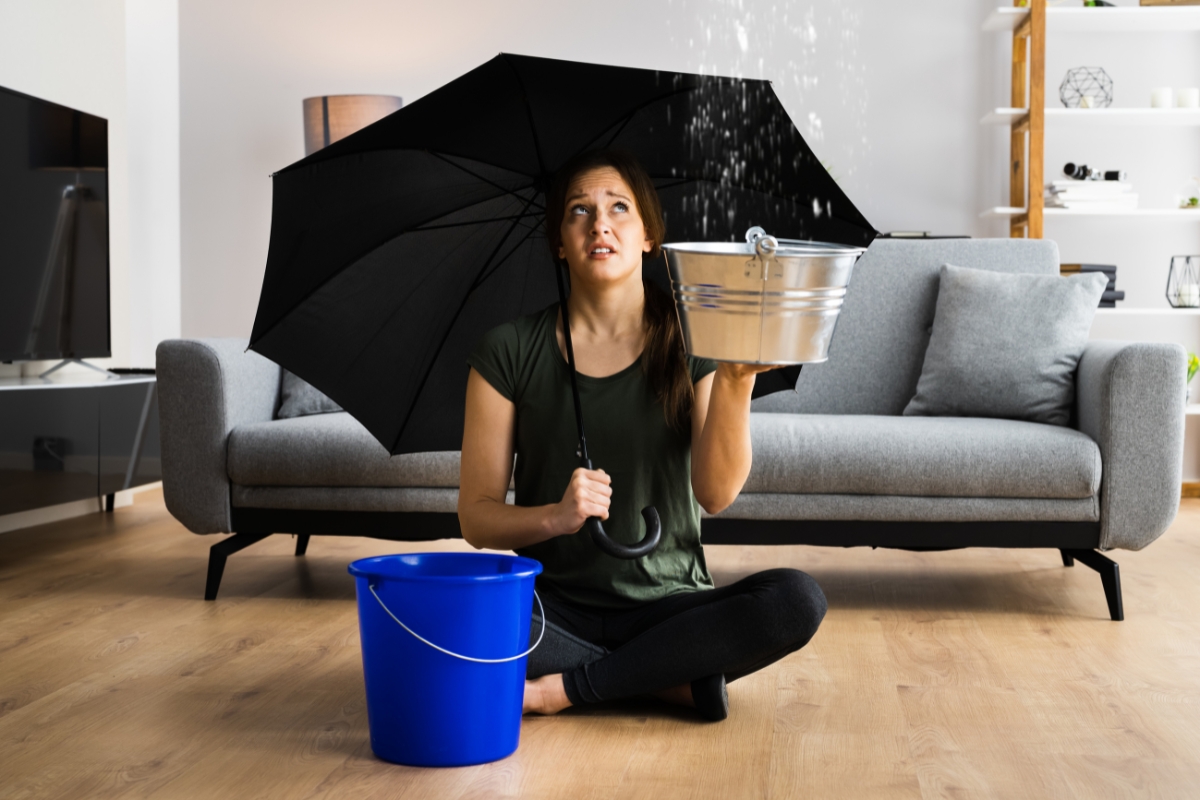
(797, 603)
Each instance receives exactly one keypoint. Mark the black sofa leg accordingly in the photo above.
(221, 551)
(1068, 561)
(301, 544)
(1110, 576)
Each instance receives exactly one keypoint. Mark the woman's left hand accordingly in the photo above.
(740, 372)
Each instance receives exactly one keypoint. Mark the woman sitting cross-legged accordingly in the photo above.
(667, 430)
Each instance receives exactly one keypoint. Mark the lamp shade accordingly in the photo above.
(336, 116)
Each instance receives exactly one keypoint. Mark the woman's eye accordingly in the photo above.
(579, 210)
(621, 207)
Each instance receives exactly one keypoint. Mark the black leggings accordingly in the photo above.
(734, 630)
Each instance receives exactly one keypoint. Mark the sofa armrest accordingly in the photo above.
(207, 387)
(1130, 400)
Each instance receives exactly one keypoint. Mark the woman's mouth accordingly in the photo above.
(601, 251)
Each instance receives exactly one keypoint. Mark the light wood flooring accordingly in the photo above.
(981, 673)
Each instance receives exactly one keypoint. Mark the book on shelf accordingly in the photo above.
(1091, 195)
(1111, 295)
(1109, 268)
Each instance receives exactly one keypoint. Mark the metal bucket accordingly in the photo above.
(769, 301)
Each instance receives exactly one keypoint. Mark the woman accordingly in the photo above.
(664, 429)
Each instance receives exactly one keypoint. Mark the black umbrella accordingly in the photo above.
(393, 250)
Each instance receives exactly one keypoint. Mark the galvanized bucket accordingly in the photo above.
(768, 301)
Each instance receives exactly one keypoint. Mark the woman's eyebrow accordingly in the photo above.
(579, 195)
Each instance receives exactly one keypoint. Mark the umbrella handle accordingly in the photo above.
(618, 550)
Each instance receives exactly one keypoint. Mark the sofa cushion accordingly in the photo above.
(299, 398)
(920, 457)
(891, 508)
(1006, 345)
(329, 450)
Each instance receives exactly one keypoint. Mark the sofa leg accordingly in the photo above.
(301, 544)
(221, 551)
(1110, 576)
(1068, 561)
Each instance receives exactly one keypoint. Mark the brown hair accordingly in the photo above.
(664, 360)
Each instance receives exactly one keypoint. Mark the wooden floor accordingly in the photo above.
(981, 673)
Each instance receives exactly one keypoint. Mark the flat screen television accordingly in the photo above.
(54, 292)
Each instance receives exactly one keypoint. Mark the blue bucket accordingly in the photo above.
(444, 638)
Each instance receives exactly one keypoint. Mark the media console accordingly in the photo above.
(72, 438)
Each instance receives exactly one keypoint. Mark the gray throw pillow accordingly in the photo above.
(1006, 345)
(300, 398)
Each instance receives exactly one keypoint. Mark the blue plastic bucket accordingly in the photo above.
(444, 644)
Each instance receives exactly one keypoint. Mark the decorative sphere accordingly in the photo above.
(1086, 82)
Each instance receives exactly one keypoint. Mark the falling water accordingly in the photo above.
(809, 51)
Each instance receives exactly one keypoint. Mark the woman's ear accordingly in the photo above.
(562, 253)
(647, 245)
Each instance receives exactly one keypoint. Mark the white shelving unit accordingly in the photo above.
(1100, 116)
(1128, 19)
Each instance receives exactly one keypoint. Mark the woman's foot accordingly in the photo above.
(545, 695)
(707, 695)
(678, 695)
(711, 697)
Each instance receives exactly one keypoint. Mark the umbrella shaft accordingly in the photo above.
(584, 461)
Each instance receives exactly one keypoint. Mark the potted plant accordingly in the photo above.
(1193, 365)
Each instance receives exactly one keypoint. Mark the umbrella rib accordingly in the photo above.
(474, 222)
(537, 143)
(419, 226)
(477, 176)
(483, 277)
(632, 112)
(446, 335)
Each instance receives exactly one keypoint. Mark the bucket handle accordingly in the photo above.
(456, 655)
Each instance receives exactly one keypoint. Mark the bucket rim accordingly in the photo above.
(786, 248)
(369, 568)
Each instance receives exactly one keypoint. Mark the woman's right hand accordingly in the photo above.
(588, 495)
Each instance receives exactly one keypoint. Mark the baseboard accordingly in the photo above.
(75, 508)
(1191, 489)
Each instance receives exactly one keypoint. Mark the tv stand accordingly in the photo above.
(86, 437)
(80, 362)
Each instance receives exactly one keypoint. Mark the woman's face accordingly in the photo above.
(603, 236)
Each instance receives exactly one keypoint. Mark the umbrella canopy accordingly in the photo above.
(395, 249)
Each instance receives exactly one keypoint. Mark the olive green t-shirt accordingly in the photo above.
(628, 437)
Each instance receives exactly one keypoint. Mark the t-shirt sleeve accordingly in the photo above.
(495, 358)
(700, 367)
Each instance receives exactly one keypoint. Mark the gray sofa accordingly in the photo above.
(835, 463)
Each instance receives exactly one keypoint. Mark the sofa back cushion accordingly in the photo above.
(879, 345)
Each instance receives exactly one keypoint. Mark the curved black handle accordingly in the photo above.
(618, 550)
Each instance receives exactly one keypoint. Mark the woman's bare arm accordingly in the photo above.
(487, 460)
(721, 453)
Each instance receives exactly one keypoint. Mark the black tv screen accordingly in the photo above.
(53, 231)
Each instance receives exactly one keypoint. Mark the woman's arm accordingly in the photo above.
(487, 459)
(721, 453)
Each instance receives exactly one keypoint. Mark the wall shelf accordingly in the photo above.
(1125, 19)
(1100, 116)
(1149, 312)
(1176, 213)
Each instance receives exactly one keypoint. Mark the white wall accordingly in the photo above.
(886, 93)
(73, 53)
(152, 84)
